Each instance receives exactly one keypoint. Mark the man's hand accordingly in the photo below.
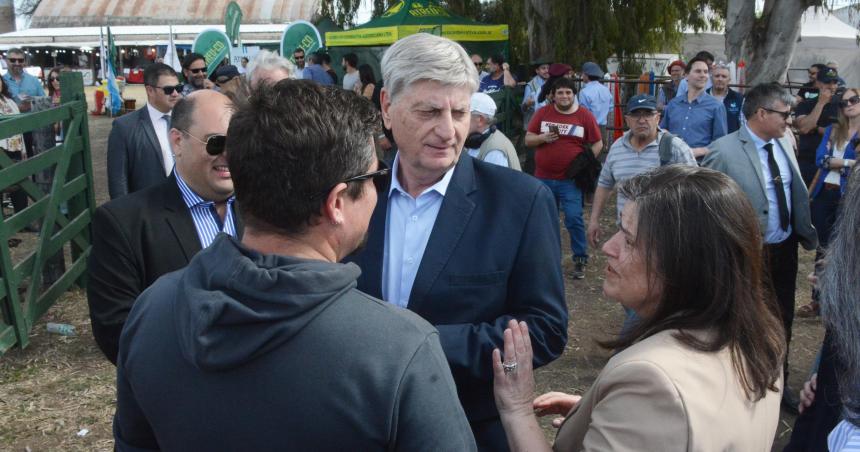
(549, 137)
(825, 95)
(529, 102)
(207, 84)
(557, 403)
(700, 152)
(593, 233)
(506, 67)
(807, 394)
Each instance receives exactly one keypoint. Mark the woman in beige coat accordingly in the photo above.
(702, 370)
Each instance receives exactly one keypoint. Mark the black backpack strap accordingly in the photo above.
(666, 148)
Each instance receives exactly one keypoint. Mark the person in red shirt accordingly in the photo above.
(559, 132)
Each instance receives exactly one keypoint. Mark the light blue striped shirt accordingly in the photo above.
(844, 438)
(206, 220)
(407, 231)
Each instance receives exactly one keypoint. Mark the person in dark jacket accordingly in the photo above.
(266, 344)
(732, 100)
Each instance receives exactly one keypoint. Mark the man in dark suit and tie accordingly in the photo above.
(139, 237)
(138, 154)
(465, 244)
(761, 160)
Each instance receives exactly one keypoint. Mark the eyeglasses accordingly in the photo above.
(299, 57)
(198, 70)
(53, 79)
(375, 175)
(784, 114)
(214, 144)
(168, 90)
(853, 100)
(15, 60)
(478, 64)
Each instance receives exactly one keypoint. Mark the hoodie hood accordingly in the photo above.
(234, 304)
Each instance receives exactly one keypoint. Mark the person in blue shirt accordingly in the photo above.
(314, 70)
(709, 58)
(499, 76)
(595, 96)
(698, 118)
(21, 84)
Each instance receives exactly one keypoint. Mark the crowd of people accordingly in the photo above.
(281, 248)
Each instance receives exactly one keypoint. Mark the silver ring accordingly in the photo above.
(509, 367)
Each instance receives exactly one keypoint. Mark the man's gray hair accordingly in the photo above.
(840, 292)
(267, 60)
(17, 51)
(423, 56)
(765, 95)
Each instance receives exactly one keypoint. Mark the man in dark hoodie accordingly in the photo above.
(267, 344)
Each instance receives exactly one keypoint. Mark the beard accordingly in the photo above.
(197, 82)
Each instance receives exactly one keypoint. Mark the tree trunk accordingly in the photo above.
(7, 16)
(766, 43)
(538, 19)
(740, 17)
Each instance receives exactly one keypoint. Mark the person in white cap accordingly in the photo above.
(485, 142)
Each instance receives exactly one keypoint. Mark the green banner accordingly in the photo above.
(300, 35)
(232, 20)
(214, 45)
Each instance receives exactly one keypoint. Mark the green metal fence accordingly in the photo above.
(62, 210)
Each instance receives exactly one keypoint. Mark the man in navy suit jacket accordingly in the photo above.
(465, 244)
(138, 152)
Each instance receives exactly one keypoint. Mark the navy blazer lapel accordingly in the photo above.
(451, 222)
(179, 219)
(146, 124)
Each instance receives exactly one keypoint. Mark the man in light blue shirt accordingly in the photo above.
(465, 244)
(595, 96)
(698, 118)
(709, 58)
(21, 84)
(314, 70)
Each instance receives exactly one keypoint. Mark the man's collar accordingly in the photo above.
(440, 187)
(757, 140)
(154, 113)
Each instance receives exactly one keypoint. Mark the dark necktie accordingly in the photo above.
(776, 177)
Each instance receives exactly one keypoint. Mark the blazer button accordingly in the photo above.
(764, 212)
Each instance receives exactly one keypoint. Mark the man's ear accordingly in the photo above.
(385, 104)
(174, 136)
(332, 209)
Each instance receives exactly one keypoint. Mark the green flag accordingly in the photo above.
(214, 45)
(112, 54)
(232, 20)
(300, 35)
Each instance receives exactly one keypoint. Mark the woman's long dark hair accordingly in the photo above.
(701, 242)
(56, 72)
(365, 75)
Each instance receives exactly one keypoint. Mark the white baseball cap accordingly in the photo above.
(483, 104)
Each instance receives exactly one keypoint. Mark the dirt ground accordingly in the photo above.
(58, 393)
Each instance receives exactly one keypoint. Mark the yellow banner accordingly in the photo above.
(366, 37)
(388, 35)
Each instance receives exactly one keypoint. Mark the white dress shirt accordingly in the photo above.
(407, 230)
(162, 131)
(774, 233)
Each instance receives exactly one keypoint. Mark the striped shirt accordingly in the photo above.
(624, 162)
(207, 222)
(845, 437)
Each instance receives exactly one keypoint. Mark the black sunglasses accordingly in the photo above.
(15, 60)
(197, 71)
(375, 175)
(853, 100)
(53, 79)
(784, 114)
(214, 144)
(168, 90)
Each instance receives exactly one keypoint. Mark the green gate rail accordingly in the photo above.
(64, 214)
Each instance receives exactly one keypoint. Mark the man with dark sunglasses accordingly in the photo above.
(812, 116)
(194, 70)
(138, 152)
(139, 237)
(22, 85)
